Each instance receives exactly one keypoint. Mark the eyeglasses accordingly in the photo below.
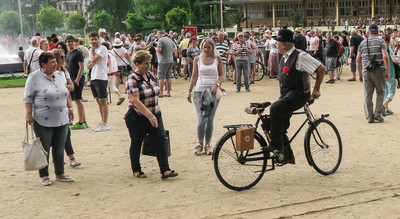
(240, 36)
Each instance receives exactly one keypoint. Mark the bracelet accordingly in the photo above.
(71, 109)
(189, 93)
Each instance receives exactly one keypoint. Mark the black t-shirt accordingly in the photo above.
(345, 43)
(355, 41)
(73, 59)
(332, 48)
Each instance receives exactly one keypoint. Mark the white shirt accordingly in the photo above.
(272, 46)
(113, 63)
(35, 58)
(120, 52)
(305, 62)
(100, 70)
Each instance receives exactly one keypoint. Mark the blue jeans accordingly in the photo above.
(52, 137)
(205, 125)
(242, 67)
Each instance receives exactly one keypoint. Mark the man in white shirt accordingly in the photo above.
(31, 58)
(98, 58)
(103, 34)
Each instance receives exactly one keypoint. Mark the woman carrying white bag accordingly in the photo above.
(47, 109)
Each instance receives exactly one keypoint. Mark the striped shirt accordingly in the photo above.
(243, 55)
(375, 45)
(148, 91)
(221, 48)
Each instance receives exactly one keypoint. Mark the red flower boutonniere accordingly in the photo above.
(286, 70)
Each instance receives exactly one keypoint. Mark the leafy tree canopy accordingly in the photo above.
(102, 19)
(134, 22)
(9, 22)
(75, 21)
(49, 18)
(117, 9)
(177, 18)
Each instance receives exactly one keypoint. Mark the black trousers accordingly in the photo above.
(139, 126)
(281, 112)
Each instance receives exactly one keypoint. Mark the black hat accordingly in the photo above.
(285, 35)
(373, 27)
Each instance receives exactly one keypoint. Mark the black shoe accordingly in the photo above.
(268, 148)
(289, 156)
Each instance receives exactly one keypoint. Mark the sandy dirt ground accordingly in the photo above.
(367, 184)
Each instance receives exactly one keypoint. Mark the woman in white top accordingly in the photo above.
(314, 44)
(112, 70)
(273, 60)
(207, 75)
(123, 60)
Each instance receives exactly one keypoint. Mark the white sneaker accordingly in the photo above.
(100, 124)
(102, 127)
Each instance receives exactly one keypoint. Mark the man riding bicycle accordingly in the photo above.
(295, 68)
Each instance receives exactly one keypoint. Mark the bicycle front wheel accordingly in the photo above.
(323, 147)
(239, 170)
(259, 71)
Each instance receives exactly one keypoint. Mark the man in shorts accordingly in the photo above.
(165, 55)
(98, 57)
(332, 51)
(75, 66)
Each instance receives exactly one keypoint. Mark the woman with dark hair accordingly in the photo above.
(144, 116)
(192, 52)
(63, 46)
(48, 110)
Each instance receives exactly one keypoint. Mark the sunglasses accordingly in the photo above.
(240, 36)
(63, 57)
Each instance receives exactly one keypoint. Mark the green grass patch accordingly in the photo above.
(18, 82)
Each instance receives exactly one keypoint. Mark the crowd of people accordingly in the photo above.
(64, 66)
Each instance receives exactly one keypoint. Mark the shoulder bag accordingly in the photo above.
(28, 68)
(34, 155)
(129, 67)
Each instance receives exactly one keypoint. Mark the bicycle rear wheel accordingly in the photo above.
(260, 70)
(239, 170)
(323, 147)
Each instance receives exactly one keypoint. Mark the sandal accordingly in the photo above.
(198, 149)
(208, 150)
(74, 164)
(389, 112)
(140, 175)
(172, 173)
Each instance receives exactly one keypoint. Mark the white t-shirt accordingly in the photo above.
(121, 53)
(272, 46)
(100, 70)
(113, 63)
(35, 58)
(314, 43)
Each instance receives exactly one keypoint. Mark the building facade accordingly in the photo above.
(272, 12)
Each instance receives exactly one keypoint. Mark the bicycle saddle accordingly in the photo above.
(260, 105)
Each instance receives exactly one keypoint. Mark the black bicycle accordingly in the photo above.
(240, 170)
(260, 72)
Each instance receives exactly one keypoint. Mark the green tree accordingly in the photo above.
(158, 8)
(49, 18)
(102, 19)
(9, 22)
(177, 18)
(117, 9)
(75, 21)
(238, 17)
(297, 18)
(134, 22)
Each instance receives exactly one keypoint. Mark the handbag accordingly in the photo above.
(149, 145)
(34, 155)
(28, 67)
(219, 93)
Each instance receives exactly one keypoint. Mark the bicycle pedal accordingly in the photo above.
(279, 157)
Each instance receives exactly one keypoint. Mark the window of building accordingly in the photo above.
(255, 11)
(364, 7)
(269, 10)
(314, 9)
(396, 5)
(330, 9)
(346, 8)
(283, 10)
(300, 8)
(381, 7)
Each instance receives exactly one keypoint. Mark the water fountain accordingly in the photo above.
(9, 63)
